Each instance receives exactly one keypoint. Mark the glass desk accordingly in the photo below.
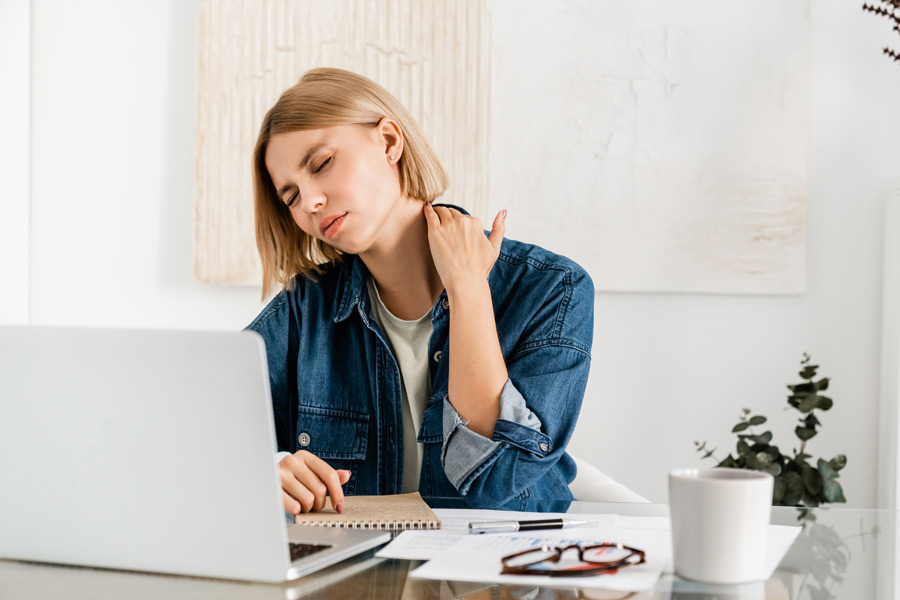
(843, 554)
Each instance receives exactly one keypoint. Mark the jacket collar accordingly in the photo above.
(351, 286)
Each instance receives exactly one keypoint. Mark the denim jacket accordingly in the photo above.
(337, 392)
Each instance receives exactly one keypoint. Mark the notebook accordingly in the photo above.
(400, 511)
(149, 451)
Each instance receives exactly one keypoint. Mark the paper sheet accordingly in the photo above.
(477, 558)
(425, 545)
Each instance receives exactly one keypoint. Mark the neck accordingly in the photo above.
(401, 264)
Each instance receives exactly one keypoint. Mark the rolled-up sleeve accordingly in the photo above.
(464, 451)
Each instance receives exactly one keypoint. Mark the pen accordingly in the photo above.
(513, 526)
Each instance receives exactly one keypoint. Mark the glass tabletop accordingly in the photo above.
(840, 554)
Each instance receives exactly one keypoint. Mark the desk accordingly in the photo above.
(844, 554)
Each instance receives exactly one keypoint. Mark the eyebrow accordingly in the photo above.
(309, 154)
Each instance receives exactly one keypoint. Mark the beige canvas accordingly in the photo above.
(431, 54)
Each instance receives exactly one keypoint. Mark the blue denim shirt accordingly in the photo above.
(337, 392)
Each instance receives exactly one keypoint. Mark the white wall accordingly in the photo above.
(670, 369)
(15, 73)
(112, 102)
(113, 158)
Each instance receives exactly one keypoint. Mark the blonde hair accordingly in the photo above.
(327, 98)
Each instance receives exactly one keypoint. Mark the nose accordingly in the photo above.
(312, 199)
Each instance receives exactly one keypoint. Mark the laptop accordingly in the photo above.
(149, 451)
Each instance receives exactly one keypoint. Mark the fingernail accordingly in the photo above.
(504, 214)
(340, 507)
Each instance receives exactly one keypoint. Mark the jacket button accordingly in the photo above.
(544, 446)
(445, 304)
(437, 356)
(304, 439)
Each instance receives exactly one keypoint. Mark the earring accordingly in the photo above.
(392, 157)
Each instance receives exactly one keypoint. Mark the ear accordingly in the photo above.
(391, 136)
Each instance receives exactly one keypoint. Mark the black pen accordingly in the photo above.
(513, 526)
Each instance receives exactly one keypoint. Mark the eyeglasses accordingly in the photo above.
(593, 560)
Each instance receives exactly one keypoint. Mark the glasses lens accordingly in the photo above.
(535, 555)
(606, 554)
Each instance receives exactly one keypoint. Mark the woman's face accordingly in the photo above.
(340, 183)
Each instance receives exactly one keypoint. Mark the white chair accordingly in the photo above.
(592, 485)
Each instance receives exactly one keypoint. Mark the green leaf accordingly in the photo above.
(757, 420)
(743, 448)
(805, 433)
(708, 453)
(794, 492)
(825, 468)
(774, 469)
(805, 388)
(763, 438)
(700, 446)
(740, 427)
(833, 491)
(809, 371)
(824, 403)
(812, 480)
(811, 420)
(808, 403)
(822, 384)
(763, 461)
(802, 457)
(838, 462)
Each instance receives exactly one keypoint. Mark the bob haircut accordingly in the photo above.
(327, 98)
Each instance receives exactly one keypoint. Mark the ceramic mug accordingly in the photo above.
(720, 521)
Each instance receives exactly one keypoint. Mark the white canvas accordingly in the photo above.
(663, 145)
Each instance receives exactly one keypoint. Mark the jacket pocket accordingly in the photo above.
(333, 433)
(336, 436)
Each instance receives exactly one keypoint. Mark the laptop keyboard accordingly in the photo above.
(301, 550)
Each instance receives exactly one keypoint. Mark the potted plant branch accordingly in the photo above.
(889, 9)
(798, 480)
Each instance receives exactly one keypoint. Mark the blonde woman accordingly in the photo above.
(407, 349)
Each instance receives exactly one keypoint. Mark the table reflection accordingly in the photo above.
(840, 554)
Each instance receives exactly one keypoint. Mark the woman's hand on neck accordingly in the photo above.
(401, 263)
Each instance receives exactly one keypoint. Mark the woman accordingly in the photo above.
(407, 350)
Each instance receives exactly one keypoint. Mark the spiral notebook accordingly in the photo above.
(392, 512)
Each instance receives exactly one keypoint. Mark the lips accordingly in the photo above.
(329, 225)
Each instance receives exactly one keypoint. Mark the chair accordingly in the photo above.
(592, 485)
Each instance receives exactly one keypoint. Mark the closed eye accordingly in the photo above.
(323, 165)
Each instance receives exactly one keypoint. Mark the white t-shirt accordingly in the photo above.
(409, 342)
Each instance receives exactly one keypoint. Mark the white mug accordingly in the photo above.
(720, 522)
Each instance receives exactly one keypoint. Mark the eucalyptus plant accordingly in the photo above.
(890, 9)
(798, 480)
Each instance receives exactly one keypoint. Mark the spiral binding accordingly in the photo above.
(421, 524)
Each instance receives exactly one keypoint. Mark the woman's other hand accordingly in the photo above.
(461, 253)
(306, 479)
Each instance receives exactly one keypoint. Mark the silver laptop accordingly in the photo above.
(149, 451)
